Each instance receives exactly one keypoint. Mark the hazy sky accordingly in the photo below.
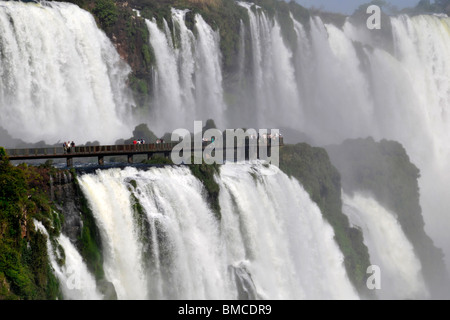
(348, 6)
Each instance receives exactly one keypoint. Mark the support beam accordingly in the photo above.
(130, 158)
(101, 160)
(70, 162)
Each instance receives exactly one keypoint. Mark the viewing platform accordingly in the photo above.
(101, 152)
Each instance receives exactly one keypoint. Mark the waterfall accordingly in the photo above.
(348, 86)
(162, 241)
(122, 250)
(60, 76)
(389, 248)
(168, 93)
(273, 228)
(273, 75)
(188, 84)
(76, 282)
(408, 100)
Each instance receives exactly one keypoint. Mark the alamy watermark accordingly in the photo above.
(374, 280)
(374, 21)
(232, 145)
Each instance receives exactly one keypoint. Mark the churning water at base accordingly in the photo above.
(389, 248)
(162, 241)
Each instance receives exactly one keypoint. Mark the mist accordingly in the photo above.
(326, 83)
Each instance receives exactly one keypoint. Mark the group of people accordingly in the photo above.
(139, 141)
(267, 136)
(68, 145)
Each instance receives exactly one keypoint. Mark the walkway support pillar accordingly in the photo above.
(101, 160)
(130, 158)
(69, 162)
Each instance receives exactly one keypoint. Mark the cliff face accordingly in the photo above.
(124, 23)
(312, 167)
(25, 271)
(52, 197)
(384, 170)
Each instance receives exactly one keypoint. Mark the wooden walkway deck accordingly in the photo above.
(100, 152)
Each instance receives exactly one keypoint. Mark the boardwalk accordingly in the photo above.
(100, 152)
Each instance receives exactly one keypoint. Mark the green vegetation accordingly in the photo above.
(89, 239)
(107, 12)
(223, 16)
(157, 159)
(312, 167)
(141, 131)
(205, 173)
(439, 6)
(130, 35)
(142, 224)
(283, 10)
(385, 170)
(25, 272)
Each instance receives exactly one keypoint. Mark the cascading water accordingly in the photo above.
(349, 86)
(389, 248)
(162, 241)
(122, 250)
(60, 76)
(272, 227)
(273, 76)
(58, 70)
(76, 282)
(402, 96)
(168, 92)
(188, 71)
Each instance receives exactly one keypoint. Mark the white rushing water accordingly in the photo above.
(275, 100)
(338, 83)
(349, 87)
(389, 248)
(76, 282)
(62, 79)
(273, 228)
(408, 102)
(270, 243)
(188, 83)
(109, 200)
(60, 76)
